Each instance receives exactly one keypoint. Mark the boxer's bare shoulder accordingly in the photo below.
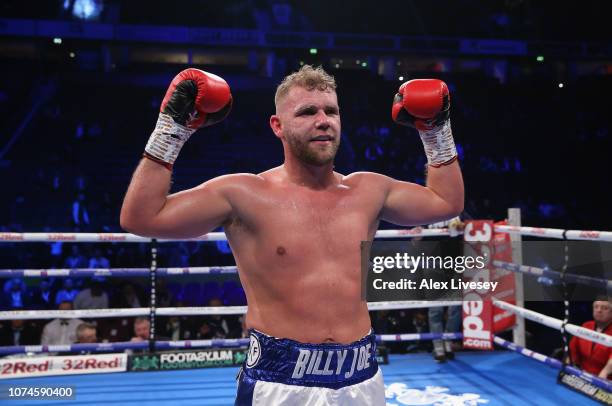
(368, 180)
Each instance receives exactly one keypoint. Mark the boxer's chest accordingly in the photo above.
(329, 218)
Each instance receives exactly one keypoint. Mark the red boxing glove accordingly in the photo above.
(194, 99)
(424, 104)
(197, 99)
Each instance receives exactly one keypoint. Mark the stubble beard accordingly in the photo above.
(312, 154)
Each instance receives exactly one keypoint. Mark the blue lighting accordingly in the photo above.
(87, 9)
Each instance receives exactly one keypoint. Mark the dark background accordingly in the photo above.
(530, 84)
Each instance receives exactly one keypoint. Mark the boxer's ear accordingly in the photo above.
(276, 125)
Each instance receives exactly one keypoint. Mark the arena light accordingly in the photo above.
(561, 85)
(314, 51)
(87, 9)
(57, 41)
(540, 58)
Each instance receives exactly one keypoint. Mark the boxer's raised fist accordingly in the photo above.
(193, 100)
(422, 104)
(197, 99)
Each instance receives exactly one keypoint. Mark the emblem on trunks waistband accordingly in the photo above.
(254, 352)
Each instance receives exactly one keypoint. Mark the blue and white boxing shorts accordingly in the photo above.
(286, 372)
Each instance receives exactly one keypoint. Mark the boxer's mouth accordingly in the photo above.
(322, 138)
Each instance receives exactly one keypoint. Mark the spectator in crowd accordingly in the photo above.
(205, 332)
(393, 321)
(216, 326)
(86, 333)
(443, 350)
(142, 330)
(438, 323)
(115, 329)
(421, 326)
(127, 297)
(93, 297)
(177, 328)
(61, 331)
(56, 250)
(18, 332)
(142, 325)
(42, 297)
(374, 153)
(80, 213)
(15, 294)
(98, 260)
(75, 259)
(68, 292)
(590, 356)
(164, 296)
(244, 331)
(121, 329)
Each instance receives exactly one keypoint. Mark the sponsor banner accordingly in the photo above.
(62, 365)
(477, 306)
(502, 319)
(205, 358)
(579, 384)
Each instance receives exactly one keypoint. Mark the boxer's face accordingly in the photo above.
(602, 311)
(308, 123)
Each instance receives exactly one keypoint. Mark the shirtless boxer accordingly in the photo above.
(296, 230)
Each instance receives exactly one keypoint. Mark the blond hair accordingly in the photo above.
(84, 326)
(307, 77)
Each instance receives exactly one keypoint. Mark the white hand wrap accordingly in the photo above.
(167, 139)
(439, 144)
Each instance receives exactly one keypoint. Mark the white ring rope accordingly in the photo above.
(551, 322)
(219, 236)
(128, 272)
(531, 231)
(187, 311)
(533, 270)
(590, 235)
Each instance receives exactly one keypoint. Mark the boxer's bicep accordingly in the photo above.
(193, 212)
(409, 204)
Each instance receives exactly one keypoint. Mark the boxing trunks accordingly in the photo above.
(286, 372)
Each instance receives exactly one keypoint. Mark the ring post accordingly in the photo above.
(153, 296)
(514, 219)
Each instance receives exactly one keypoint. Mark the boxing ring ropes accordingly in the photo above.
(518, 344)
